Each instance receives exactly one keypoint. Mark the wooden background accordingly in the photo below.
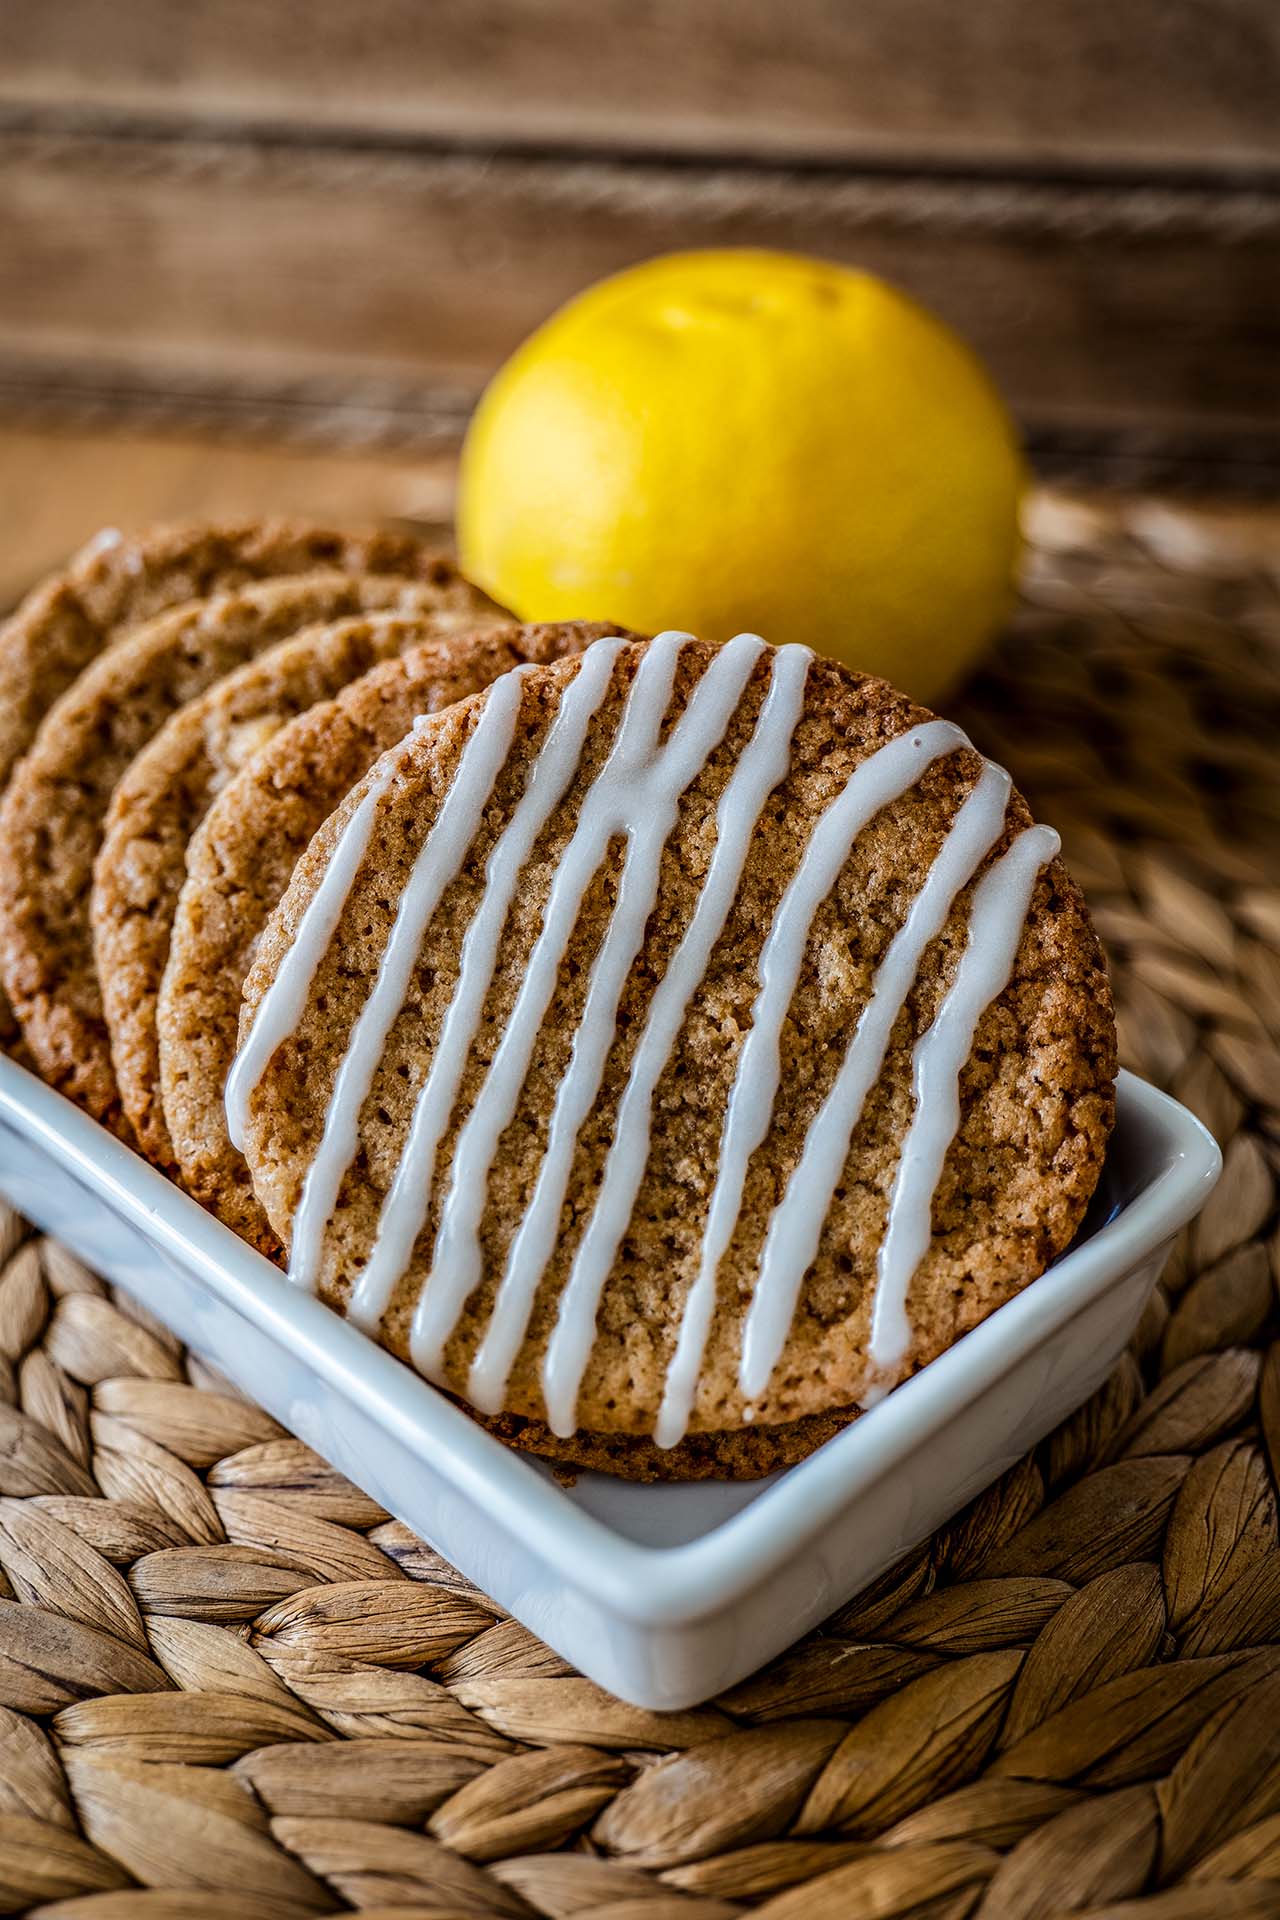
(328, 223)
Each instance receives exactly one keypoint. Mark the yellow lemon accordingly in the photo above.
(750, 440)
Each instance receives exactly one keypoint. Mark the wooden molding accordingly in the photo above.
(251, 275)
(1147, 86)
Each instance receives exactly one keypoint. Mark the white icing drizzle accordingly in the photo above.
(1001, 901)
(442, 854)
(281, 1007)
(796, 1225)
(881, 778)
(636, 795)
(405, 1208)
(763, 764)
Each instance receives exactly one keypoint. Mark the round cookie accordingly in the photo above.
(117, 582)
(52, 814)
(166, 792)
(556, 1173)
(239, 863)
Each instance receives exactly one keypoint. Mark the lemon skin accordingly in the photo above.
(748, 440)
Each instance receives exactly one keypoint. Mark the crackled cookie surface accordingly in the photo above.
(241, 859)
(678, 1044)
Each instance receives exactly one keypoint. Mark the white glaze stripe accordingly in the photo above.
(763, 764)
(881, 778)
(405, 1208)
(636, 795)
(456, 1263)
(1001, 901)
(282, 1005)
(797, 1222)
(442, 854)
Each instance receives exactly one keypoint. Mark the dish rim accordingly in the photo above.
(649, 1586)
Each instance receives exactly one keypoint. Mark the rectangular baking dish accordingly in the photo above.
(662, 1594)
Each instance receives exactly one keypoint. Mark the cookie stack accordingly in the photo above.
(664, 1048)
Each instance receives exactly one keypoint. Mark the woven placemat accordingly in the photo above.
(231, 1686)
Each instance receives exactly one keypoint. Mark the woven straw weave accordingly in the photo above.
(231, 1686)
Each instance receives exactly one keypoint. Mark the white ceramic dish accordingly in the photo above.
(663, 1594)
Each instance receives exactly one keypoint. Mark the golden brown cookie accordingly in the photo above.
(681, 1044)
(167, 790)
(239, 864)
(52, 815)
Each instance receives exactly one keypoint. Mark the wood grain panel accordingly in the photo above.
(1083, 84)
(152, 262)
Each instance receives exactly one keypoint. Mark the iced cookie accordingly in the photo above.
(676, 1046)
